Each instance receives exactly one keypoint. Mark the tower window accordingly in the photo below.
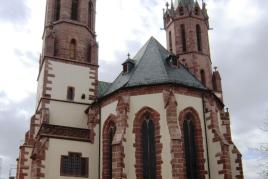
(196, 11)
(183, 38)
(181, 11)
(148, 148)
(190, 148)
(74, 165)
(57, 10)
(74, 13)
(90, 15)
(170, 41)
(72, 49)
(89, 58)
(203, 77)
(198, 37)
(70, 93)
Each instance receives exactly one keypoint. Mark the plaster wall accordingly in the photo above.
(67, 114)
(58, 147)
(70, 75)
(40, 86)
(154, 101)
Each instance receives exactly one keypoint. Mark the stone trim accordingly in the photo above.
(62, 132)
(22, 168)
(38, 157)
(137, 124)
(93, 120)
(105, 148)
(238, 161)
(120, 120)
(141, 90)
(175, 133)
(198, 139)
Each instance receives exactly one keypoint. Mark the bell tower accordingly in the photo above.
(69, 31)
(187, 25)
(67, 85)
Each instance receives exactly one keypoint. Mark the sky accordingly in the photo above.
(239, 48)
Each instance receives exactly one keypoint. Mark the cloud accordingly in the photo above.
(14, 121)
(14, 11)
(239, 44)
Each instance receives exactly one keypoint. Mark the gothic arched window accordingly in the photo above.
(183, 38)
(74, 13)
(203, 77)
(72, 49)
(90, 15)
(148, 148)
(57, 10)
(89, 53)
(170, 41)
(112, 130)
(198, 37)
(190, 148)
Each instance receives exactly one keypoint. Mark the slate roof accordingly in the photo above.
(151, 68)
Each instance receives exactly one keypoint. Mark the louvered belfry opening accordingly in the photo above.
(148, 148)
(190, 148)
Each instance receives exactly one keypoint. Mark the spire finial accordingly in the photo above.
(167, 5)
(128, 55)
(215, 68)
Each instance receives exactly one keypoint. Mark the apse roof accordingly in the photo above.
(151, 67)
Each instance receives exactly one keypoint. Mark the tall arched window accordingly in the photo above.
(72, 49)
(74, 13)
(111, 133)
(57, 10)
(183, 38)
(170, 41)
(89, 53)
(198, 38)
(148, 148)
(90, 15)
(190, 148)
(203, 77)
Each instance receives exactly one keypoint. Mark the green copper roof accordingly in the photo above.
(151, 68)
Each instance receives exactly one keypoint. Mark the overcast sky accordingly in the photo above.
(239, 47)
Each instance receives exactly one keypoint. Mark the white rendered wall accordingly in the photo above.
(59, 147)
(154, 101)
(70, 75)
(40, 86)
(67, 114)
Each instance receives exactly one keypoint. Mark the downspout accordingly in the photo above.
(205, 123)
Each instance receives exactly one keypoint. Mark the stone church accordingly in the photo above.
(163, 117)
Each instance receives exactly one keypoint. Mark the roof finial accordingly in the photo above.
(215, 68)
(167, 5)
(128, 56)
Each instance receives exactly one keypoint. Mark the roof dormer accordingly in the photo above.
(128, 65)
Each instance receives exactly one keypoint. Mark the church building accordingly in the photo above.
(163, 117)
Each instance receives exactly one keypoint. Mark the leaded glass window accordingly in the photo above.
(190, 148)
(148, 148)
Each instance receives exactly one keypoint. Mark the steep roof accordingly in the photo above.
(151, 68)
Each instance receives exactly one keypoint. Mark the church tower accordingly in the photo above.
(187, 26)
(67, 83)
